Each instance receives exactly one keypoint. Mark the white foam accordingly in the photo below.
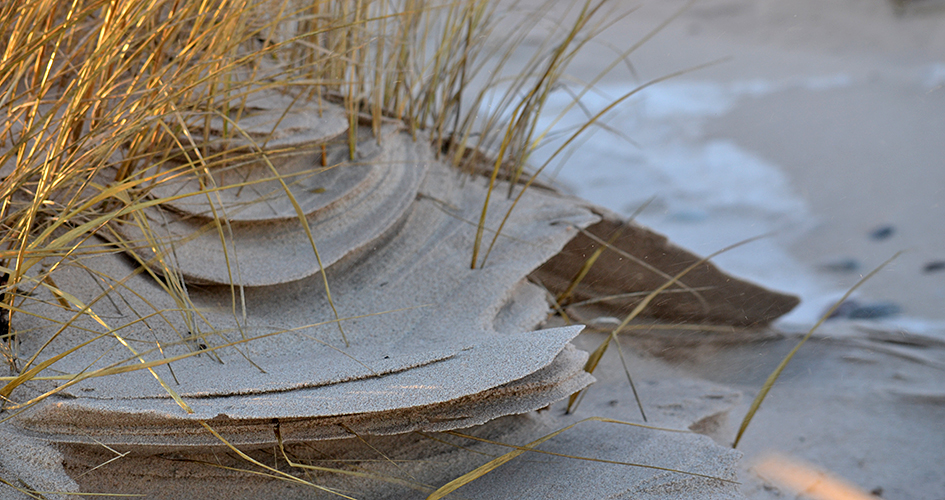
(709, 192)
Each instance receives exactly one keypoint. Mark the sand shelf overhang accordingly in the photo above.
(433, 344)
(251, 345)
(347, 205)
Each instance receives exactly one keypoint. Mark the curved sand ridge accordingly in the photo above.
(434, 337)
(347, 206)
(266, 119)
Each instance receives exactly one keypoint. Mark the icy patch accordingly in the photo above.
(687, 98)
(717, 175)
(933, 76)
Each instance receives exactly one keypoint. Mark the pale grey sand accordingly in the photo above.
(428, 460)
(347, 208)
(459, 352)
(271, 119)
(393, 404)
(425, 310)
(33, 465)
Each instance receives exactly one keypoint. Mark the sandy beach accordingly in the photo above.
(817, 125)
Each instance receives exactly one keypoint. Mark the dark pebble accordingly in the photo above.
(852, 309)
(882, 232)
(844, 310)
(933, 266)
(875, 311)
(845, 265)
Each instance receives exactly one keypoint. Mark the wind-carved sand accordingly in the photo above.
(428, 344)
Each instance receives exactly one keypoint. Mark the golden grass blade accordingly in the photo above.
(592, 361)
(176, 397)
(52, 286)
(598, 460)
(6, 390)
(300, 214)
(119, 368)
(563, 55)
(649, 298)
(527, 111)
(14, 382)
(589, 263)
(454, 445)
(488, 467)
(382, 454)
(28, 492)
(586, 268)
(769, 383)
(39, 495)
(629, 295)
(218, 222)
(117, 456)
(621, 58)
(590, 367)
(412, 484)
(696, 328)
(530, 447)
(132, 77)
(626, 370)
(571, 139)
(276, 472)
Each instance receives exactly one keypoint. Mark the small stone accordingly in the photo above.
(933, 266)
(852, 309)
(875, 311)
(842, 265)
(882, 232)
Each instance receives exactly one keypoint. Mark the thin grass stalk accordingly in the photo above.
(538, 172)
(117, 92)
(769, 382)
(490, 466)
(598, 353)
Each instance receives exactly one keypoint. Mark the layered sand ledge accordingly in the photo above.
(428, 344)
